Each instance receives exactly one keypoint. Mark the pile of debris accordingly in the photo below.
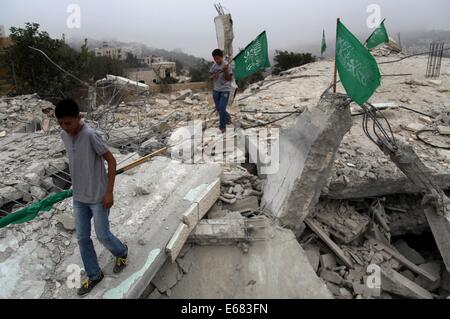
(26, 113)
(389, 49)
(350, 243)
(32, 175)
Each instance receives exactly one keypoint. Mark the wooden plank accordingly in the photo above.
(411, 266)
(331, 244)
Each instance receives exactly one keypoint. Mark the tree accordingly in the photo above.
(32, 70)
(244, 83)
(285, 60)
(200, 72)
(35, 74)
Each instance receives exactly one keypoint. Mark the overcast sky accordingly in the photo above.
(189, 24)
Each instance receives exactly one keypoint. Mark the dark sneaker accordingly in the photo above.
(121, 263)
(223, 130)
(88, 285)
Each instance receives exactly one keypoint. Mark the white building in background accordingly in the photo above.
(157, 69)
(113, 53)
(2, 31)
(149, 60)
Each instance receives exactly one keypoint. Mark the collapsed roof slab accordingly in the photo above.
(306, 157)
(274, 268)
(386, 185)
(146, 223)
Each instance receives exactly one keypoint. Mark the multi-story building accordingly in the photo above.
(113, 53)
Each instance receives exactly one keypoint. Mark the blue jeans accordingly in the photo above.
(83, 215)
(221, 101)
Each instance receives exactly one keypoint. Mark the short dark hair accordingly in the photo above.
(67, 108)
(217, 52)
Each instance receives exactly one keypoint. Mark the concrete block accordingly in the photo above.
(392, 281)
(219, 231)
(10, 194)
(308, 150)
(313, 255)
(190, 216)
(327, 261)
(177, 241)
(207, 198)
(414, 127)
(444, 130)
(331, 276)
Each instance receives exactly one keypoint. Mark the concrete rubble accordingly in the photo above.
(336, 214)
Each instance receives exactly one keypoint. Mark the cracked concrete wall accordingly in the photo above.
(307, 152)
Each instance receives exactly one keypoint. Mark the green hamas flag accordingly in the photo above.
(254, 58)
(357, 68)
(378, 37)
(324, 44)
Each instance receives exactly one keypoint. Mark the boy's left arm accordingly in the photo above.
(108, 200)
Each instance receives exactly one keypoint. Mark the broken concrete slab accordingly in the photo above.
(186, 261)
(327, 261)
(202, 198)
(433, 268)
(331, 276)
(274, 268)
(411, 254)
(402, 259)
(219, 231)
(313, 254)
(440, 227)
(177, 241)
(9, 194)
(167, 277)
(392, 281)
(152, 218)
(387, 185)
(308, 156)
(444, 130)
(343, 221)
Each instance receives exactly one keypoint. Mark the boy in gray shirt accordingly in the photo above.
(92, 191)
(222, 74)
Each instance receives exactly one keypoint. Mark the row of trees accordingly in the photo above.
(284, 60)
(32, 72)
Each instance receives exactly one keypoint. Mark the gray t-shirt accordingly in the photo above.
(86, 164)
(221, 85)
